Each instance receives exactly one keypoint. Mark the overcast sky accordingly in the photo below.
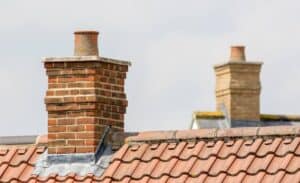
(172, 45)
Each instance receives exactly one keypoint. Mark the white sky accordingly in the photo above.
(173, 46)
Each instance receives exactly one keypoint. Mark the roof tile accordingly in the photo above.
(233, 155)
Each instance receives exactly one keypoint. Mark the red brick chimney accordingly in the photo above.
(85, 94)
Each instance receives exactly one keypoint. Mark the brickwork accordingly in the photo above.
(82, 98)
(238, 88)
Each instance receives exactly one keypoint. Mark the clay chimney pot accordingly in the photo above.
(237, 54)
(86, 43)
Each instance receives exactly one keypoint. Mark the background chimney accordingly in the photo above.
(86, 43)
(238, 86)
(85, 95)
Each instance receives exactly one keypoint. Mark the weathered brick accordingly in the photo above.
(90, 120)
(61, 92)
(85, 149)
(65, 150)
(67, 121)
(65, 135)
(52, 150)
(56, 129)
(91, 142)
(55, 143)
(87, 135)
(76, 128)
(76, 142)
(52, 122)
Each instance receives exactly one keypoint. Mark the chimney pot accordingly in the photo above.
(237, 54)
(86, 43)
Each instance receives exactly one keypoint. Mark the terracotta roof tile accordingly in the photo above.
(233, 155)
(268, 154)
(17, 164)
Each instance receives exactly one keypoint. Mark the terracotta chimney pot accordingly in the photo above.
(86, 43)
(237, 54)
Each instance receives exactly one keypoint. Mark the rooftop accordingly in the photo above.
(210, 155)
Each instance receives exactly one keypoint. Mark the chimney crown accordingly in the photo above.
(86, 43)
(237, 54)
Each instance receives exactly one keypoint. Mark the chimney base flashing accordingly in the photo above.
(85, 59)
(80, 164)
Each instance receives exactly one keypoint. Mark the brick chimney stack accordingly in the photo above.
(85, 94)
(238, 86)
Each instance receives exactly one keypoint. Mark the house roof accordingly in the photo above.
(209, 155)
(17, 164)
(212, 155)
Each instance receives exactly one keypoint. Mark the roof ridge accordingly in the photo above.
(214, 133)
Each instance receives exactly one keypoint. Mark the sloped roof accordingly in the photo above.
(17, 164)
(207, 155)
(266, 154)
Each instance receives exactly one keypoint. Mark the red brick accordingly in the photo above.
(48, 65)
(65, 150)
(69, 99)
(61, 92)
(87, 135)
(92, 142)
(52, 150)
(52, 80)
(65, 135)
(85, 149)
(86, 120)
(52, 122)
(66, 121)
(52, 135)
(56, 128)
(76, 142)
(56, 143)
(50, 93)
(74, 92)
(76, 128)
(92, 127)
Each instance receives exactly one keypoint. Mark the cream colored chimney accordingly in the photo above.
(238, 86)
